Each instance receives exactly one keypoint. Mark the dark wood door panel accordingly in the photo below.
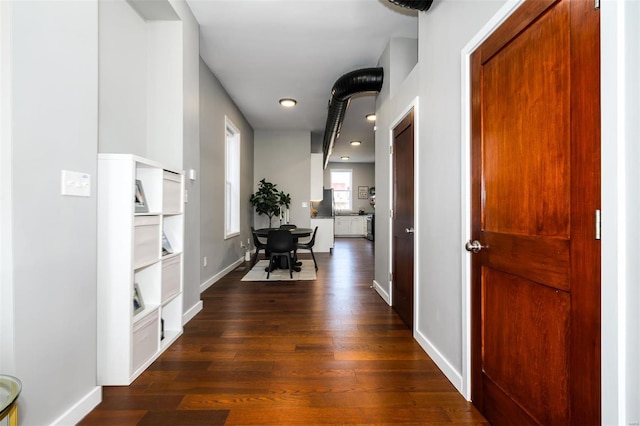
(403, 219)
(501, 408)
(526, 137)
(403, 281)
(543, 260)
(526, 335)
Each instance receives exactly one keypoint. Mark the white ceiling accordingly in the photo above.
(265, 50)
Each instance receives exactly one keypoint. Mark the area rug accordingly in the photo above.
(257, 273)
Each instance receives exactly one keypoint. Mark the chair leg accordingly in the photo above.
(270, 263)
(255, 258)
(314, 259)
(290, 262)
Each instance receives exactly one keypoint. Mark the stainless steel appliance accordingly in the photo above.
(371, 226)
(326, 207)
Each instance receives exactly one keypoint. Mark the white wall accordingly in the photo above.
(284, 158)
(620, 62)
(123, 81)
(141, 84)
(215, 104)
(396, 96)
(52, 283)
(191, 155)
(443, 32)
(165, 99)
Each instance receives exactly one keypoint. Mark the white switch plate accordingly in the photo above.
(305, 204)
(75, 184)
(192, 174)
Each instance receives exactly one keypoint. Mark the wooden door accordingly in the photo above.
(535, 192)
(402, 229)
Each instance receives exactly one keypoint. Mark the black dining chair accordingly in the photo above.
(280, 243)
(259, 245)
(288, 226)
(308, 245)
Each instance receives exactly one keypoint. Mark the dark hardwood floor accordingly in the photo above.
(329, 351)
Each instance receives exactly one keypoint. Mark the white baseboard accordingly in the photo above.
(445, 366)
(382, 292)
(80, 409)
(208, 283)
(191, 312)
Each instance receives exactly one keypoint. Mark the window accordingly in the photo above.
(341, 184)
(232, 180)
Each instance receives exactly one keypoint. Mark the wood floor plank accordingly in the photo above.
(323, 352)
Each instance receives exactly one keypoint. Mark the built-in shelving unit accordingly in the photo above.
(131, 254)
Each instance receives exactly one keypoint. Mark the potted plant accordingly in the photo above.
(269, 201)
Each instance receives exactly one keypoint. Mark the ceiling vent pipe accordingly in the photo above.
(359, 81)
(421, 5)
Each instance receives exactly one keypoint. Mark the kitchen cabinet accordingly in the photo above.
(324, 237)
(350, 226)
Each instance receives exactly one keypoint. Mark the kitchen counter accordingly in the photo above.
(353, 214)
(324, 236)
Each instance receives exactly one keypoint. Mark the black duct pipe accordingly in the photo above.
(359, 81)
(421, 5)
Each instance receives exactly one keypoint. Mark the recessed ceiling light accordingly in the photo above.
(355, 143)
(371, 117)
(344, 158)
(288, 102)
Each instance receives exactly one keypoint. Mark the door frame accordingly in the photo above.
(414, 104)
(465, 190)
(613, 32)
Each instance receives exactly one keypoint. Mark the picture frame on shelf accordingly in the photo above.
(138, 303)
(140, 199)
(363, 192)
(166, 245)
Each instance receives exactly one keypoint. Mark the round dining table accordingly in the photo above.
(297, 233)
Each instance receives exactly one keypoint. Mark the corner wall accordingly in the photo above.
(191, 156)
(222, 254)
(620, 65)
(284, 158)
(52, 283)
(443, 33)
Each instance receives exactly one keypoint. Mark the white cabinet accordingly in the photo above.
(342, 225)
(324, 236)
(137, 247)
(350, 226)
(317, 178)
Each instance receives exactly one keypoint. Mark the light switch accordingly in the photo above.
(76, 184)
(192, 174)
(305, 204)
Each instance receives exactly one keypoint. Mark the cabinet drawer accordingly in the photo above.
(171, 192)
(171, 273)
(145, 340)
(146, 237)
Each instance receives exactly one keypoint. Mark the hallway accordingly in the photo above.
(328, 351)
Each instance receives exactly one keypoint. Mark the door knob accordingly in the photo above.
(409, 230)
(474, 246)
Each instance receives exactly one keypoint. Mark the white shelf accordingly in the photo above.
(130, 252)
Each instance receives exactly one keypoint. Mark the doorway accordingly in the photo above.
(535, 194)
(402, 229)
